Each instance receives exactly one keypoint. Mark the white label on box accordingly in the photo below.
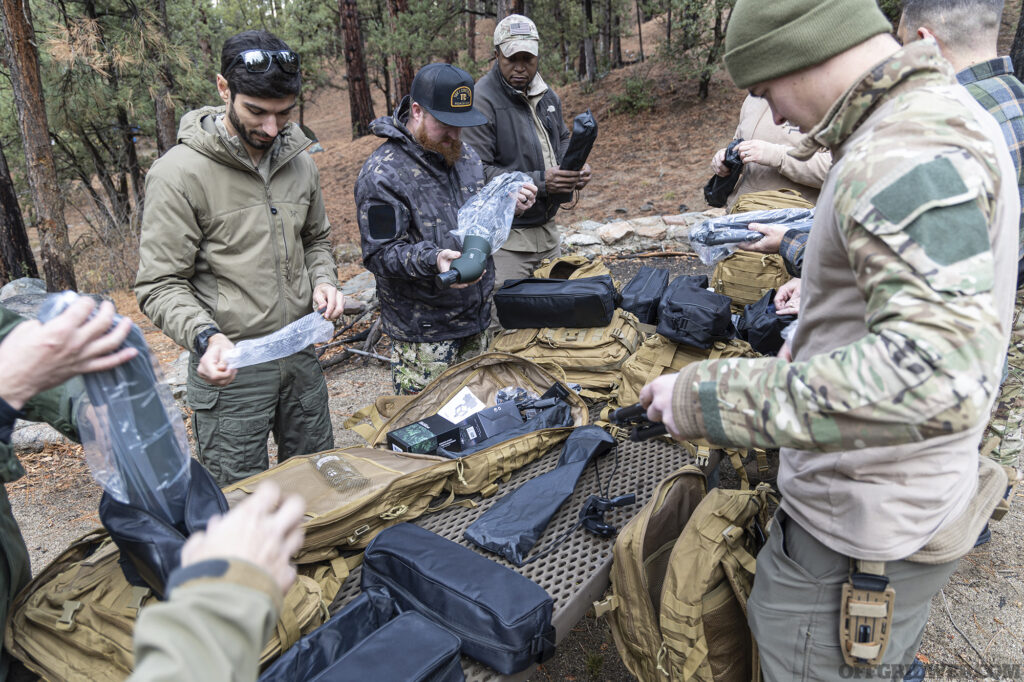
(461, 406)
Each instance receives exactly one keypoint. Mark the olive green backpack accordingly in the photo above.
(682, 570)
(591, 357)
(75, 620)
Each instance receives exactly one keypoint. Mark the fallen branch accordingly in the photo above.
(341, 342)
(656, 254)
(349, 352)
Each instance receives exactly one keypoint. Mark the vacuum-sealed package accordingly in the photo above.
(288, 340)
(716, 238)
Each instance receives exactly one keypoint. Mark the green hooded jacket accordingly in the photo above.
(221, 246)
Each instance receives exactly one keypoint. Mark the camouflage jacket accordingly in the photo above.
(904, 321)
(408, 202)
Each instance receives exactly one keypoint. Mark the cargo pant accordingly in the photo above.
(414, 365)
(793, 609)
(1004, 436)
(286, 397)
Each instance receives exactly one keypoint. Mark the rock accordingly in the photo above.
(615, 232)
(348, 253)
(33, 437)
(587, 226)
(683, 208)
(581, 240)
(656, 230)
(363, 280)
(177, 376)
(622, 210)
(684, 219)
(679, 233)
(648, 206)
(23, 285)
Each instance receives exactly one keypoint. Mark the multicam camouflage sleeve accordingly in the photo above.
(932, 358)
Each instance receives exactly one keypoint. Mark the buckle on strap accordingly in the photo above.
(865, 614)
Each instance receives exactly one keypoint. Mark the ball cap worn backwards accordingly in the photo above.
(516, 33)
(768, 39)
(446, 91)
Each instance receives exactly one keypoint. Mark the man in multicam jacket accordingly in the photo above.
(408, 196)
(905, 314)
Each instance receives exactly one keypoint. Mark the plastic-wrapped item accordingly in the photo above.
(716, 238)
(131, 428)
(489, 213)
(288, 340)
(789, 330)
(515, 394)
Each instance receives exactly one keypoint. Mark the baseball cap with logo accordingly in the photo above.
(446, 91)
(516, 33)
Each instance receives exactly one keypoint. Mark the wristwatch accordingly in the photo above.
(203, 340)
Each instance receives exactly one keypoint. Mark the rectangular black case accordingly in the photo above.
(502, 618)
(643, 293)
(690, 314)
(358, 643)
(536, 303)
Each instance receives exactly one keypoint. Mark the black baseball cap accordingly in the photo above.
(446, 91)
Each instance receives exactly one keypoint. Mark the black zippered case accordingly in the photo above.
(502, 618)
(643, 293)
(536, 303)
(690, 314)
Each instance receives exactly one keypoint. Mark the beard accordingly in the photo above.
(450, 149)
(247, 135)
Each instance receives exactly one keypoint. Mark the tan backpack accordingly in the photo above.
(745, 277)
(591, 357)
(759, 201)
(682, 570)
(75, 620)
(571, 267)
(372, 489)
(484, 375)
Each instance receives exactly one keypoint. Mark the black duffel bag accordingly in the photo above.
(761, 326)
(690, 314)
(150, 547)
(502, 618)
(643, 293)
(536, 303)
(361, 641)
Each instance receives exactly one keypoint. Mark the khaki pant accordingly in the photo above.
(286, 397)
(794, 607)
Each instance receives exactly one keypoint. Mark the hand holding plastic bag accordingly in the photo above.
(490, 212)
(288, 340)
(716, 238)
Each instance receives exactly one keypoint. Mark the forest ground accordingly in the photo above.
(646, 163)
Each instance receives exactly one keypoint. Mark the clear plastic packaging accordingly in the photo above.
(131, 428)
(789, 330)
(288, 340)
(716, 238)
(515, 394)
(489, 213)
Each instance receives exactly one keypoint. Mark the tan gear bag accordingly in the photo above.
(484, 375)
(591, 357)
(682, 570)
(768, 199)
(75, 620)
(372, 489)
(571, 267)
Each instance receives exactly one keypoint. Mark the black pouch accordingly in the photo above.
(502, 618)
(718, 189)
(761, 326)
(150, 547)
(535, 303)
(690, 314)
(360, 641)
(584, 135)
(644, 291)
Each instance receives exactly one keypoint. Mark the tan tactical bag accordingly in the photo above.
(760, 201)
(745, 277)
(484, 375)
(571, 267)
(372, 489)
(681, 574)
(75, 620)
(591, 357)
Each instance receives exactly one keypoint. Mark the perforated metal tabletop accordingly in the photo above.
(576, 573)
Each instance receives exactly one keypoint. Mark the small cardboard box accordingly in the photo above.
(425, 436)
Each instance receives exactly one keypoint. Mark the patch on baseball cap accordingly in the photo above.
(516, 33)
(446, 92)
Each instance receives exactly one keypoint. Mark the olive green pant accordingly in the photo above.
(286, 397)
(793, 610)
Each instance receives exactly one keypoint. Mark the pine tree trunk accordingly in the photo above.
(1017, 51)
(163, 105)
(403, 65)
(588, 42)
(359, 101)
(22, 61)
(16, 259)
(639, 28)
(471, 29)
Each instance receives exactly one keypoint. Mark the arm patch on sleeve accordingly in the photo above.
(382, 219)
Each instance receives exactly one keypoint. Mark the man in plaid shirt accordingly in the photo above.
(966, 32)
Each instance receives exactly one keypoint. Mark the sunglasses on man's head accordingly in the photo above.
(259, 61)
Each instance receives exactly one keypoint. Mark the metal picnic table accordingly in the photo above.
(576, 573)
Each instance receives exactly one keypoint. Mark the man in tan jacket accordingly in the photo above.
(235, 245)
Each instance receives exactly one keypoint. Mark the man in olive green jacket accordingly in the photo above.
(235, 246)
